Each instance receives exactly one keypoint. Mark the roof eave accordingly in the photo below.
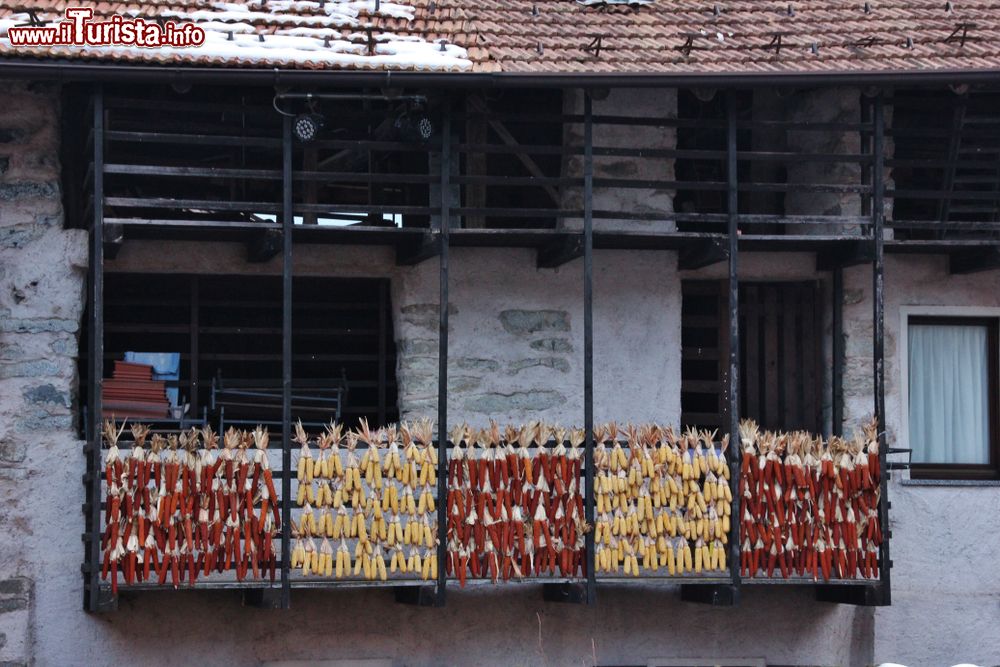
(60, 70)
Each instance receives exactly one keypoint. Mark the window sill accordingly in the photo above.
(951, 482)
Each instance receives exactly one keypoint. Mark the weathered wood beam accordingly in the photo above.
(844, 255)
(523, 157)
(559, 251)
(702, 253)
(974, 260)
(415, 252)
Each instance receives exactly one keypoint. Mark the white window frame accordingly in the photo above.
(903, 356)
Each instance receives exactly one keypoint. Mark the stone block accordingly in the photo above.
(417, 346)
(524, 322)
(18, 236)
(35, 368)
(12, 451)
(474, 364)
(27, 190)
(424, 315)
(40, 325)
(46, 394)
(519, 401)
(554, 363)
(552, 345)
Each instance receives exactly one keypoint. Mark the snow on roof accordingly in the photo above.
(303, 33)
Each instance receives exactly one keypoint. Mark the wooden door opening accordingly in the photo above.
(781, 383)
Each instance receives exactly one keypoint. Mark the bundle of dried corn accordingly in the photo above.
(179, 511)
(515, 507)
(381, 505)
(667, 501)
(810, 507)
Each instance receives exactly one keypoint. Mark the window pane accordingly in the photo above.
(949, 393)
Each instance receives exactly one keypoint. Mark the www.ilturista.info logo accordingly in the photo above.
(79, 29)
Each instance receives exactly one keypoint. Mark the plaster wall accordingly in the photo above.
(945, 589)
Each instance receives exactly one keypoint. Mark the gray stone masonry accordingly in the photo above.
(646, 103)
(42, 272)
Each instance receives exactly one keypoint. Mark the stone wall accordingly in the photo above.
(632, 102)
(516, 338)
(42, 273)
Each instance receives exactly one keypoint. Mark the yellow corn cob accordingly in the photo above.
(425, 570)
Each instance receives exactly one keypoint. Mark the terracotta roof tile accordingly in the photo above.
(679, 36)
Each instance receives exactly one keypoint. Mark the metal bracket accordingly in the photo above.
(851, 254)
(862, 595)
(262, 598)
(565, 591)
(560, 251)
(703, 253)
(411, 254)
(974, 261)
(718, 595)
(418, 596)
(106, 602)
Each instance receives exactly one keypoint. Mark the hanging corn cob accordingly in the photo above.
(177, 511)
(375, 505)
(515, 507)
(809, 507)
(663, 508)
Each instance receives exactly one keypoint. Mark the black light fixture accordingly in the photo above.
(414, 125)
(306, 127)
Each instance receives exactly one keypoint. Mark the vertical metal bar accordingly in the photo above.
(878, 333)
(442, 421)
(287, 221)
(383, 288)
(96, 357)
(194, 333)
(733, 389)
(588, 334)
(837, 344)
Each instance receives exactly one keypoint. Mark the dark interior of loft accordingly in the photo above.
(781, 343)
(214, 157)
(224, 333)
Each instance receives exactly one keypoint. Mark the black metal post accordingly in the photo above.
(837, 344)
(442, 421)
(287, 222)
(195, 295)
(878, 334)
(95, 362)
(732, 209)
(383, 301)
(588, 334)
